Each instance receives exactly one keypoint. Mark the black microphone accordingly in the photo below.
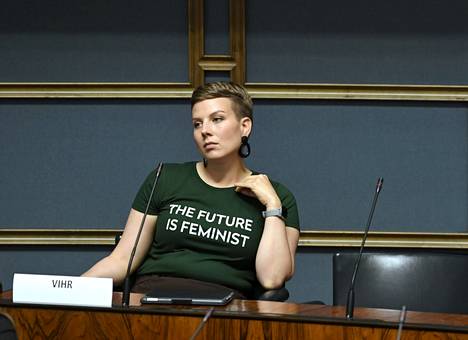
(202, 323)
(126, 290)
(401, 322)
(350, 300)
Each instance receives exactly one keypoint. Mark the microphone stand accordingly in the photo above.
(350, 298)
(401, 322)
(202, 323)
(126, 288)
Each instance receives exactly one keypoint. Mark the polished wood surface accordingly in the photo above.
(241, 319)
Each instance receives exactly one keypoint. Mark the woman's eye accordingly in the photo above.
(196, 124)
(217, 119)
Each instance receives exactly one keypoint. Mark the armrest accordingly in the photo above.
(280, 294)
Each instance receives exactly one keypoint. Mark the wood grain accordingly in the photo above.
(239, 320)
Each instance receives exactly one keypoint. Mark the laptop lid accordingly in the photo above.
(188, 294)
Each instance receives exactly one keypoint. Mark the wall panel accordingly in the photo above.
(88, 41)
(365, 42)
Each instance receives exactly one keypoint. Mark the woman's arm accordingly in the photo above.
(275, 255)
(115, 265)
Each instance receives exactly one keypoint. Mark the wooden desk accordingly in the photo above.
(239, 320)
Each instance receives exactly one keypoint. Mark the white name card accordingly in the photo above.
(62, 290)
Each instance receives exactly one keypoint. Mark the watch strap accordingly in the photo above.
(273, 212)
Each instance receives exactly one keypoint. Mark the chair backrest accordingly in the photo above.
(7, 327)
(421, 281)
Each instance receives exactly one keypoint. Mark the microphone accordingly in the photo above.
(202, 323)
(401, 322)
(350, 299)
(126, 290)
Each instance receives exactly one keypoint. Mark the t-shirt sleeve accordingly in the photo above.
(141, 199)
(289, 202)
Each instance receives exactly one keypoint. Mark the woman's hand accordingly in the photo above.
(259, 186)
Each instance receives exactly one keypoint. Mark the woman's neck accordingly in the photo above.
(223, 174)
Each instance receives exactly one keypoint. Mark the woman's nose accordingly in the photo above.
(205, 129)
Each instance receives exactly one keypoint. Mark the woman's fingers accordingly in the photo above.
(245, 191)
(259, 186)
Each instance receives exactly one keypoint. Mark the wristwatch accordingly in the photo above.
(280, 212)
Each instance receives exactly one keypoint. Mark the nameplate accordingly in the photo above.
(62, 290)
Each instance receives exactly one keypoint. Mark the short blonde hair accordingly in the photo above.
(238, 94)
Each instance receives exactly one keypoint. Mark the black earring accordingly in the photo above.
(205, 163)
(244, 150)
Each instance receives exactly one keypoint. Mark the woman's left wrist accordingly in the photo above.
(273, 205)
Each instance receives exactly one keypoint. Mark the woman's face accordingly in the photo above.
(217, 129)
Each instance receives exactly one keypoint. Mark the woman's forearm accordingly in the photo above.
(108, 267)
(275, 256)
(115, 265)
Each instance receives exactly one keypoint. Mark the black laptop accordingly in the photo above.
(186, 294)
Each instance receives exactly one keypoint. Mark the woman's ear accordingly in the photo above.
(246, 126)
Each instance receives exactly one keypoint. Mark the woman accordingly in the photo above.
(213, 221)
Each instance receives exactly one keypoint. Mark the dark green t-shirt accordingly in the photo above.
(203, 232)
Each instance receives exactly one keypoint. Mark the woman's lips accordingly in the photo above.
(209, 145)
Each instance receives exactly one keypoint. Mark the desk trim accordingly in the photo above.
(387, 318)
